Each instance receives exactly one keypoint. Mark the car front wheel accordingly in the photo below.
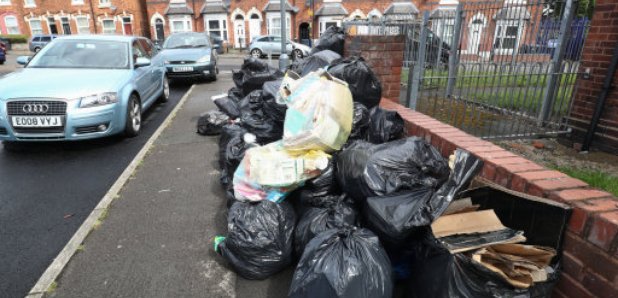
(257, 53)
(133, 123)
(298, 54)
(165, 96)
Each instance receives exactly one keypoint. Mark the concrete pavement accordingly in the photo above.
(156, 240)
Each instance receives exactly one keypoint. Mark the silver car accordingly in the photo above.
(37, 42)
(269, 44)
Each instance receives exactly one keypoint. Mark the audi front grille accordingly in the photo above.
(56, 108)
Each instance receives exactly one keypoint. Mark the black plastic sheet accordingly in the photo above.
(436, 273)
(384, 126)
(332, 39)
(333, 215)
(259, 241)
(314, 62)
(368, 170)
(343, 263)
(363, 83)
(396, 216)
(211, 122)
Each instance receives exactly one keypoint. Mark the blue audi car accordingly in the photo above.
(82, 87)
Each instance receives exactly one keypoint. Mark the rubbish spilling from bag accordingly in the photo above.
(318, 176)
(211, 122)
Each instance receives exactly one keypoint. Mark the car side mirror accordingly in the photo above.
(23, 60)
(216, 46)
(141, 62)
(158, 47)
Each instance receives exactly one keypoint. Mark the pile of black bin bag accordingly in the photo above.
(351, 231)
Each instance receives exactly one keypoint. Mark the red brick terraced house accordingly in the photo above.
(66, 17)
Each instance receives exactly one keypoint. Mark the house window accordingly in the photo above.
(105, 3)
(109, 26)
(11, 25)
(77, 2)
(83, 26)
(29, 3)
(216, 26)
(507, 36)
(5, 2)
(274, 25)
(180, 24)
(326, 22)
(36, 27)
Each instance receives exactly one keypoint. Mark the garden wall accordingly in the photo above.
(590, 261)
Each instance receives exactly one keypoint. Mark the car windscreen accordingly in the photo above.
(186, 41)
(100, 54)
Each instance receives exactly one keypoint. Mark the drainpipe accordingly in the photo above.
(195, 16)
(94, 20)
(598, 110)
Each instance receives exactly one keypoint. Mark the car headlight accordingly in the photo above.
(204, 59)
(166, 62)
(98, 100)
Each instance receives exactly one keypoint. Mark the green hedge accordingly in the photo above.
(16, 38)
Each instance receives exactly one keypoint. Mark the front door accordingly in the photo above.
(239, 34)
(160, 31)
(128, 27)
(66, 28)
(475, 38)
(53, 29)
(254, 28)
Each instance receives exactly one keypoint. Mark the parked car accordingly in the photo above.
(2, 55)
(82, 87)
(190, 55)
(269, 44)
(7, 43)
(37, 42)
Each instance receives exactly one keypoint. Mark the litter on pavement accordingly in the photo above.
(319, 177)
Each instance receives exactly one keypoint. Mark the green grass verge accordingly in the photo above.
(594, 178)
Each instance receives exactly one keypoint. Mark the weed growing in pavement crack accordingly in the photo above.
(80, 248)
(52, 287)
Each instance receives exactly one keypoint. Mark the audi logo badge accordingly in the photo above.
(35, 108)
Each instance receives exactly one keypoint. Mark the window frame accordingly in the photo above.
(221, 20)
(270, 29)
(327, 19)
(6, 24)
(103, 25)
(77, 2)
(79, 28)
(105, 3)
(40, 29)
(186, 21)
(5, 2)
(29, 5)
(501, 34)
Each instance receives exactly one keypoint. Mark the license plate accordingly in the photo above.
(182, 69)
(37, 121)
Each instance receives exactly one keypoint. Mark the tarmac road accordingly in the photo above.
(48, 189)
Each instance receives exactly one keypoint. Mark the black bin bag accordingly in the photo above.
(333, 215)
(343, 263)
(253, 74)
(363, 83)
(396, 216)
(211, 122)
(360, 122)
(259, 240)
(229, 105)
(272, 109)
(314, 62)
(436, 273)
(368, 170)
(384, 126)
(232, 147)
(332, 39)
(256, 119)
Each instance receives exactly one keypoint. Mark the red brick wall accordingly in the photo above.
(384, 54)
(56, 8)
(597, 53)
(590, 262)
